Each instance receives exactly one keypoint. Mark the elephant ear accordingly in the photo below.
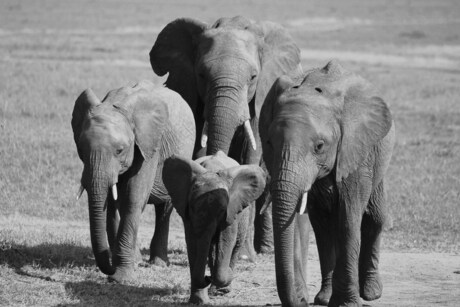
(247, 185)
(84, 103)
(145, 106)
(174, 52)
(365, 121)
(178, 173)
(279, 56)
(266, 114)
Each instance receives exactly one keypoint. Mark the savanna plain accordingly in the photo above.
(51, 50)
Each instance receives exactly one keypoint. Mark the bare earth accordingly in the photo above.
(409, 278)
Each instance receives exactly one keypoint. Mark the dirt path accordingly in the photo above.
(410, 279)
(414, 279)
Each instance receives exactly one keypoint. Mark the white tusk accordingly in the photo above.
(114, 192)
(204, 135)
(80, 191)
(250, 134)
(303, 204)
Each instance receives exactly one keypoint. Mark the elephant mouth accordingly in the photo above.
(247, 131)
(114, 190)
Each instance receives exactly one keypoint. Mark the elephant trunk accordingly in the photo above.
(287, 188)
(224, 117)
(98, 189)
(200, 252)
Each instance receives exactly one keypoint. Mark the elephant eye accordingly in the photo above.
(319, 90)
(253, 77)
(319, 146)
(119, 151)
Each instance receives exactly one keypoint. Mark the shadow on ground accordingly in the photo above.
(47, 256)
(91, 293)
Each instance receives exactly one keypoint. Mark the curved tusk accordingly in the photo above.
(80, 191)
(303, 204)
(204, 135)
(250, 134)
(114, 192)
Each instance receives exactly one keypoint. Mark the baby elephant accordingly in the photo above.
(212, 195)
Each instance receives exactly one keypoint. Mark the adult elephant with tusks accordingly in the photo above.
(224, 72)
(327, 142)
(123, 141)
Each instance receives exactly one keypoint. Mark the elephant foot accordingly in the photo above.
(265, 249)
(371, 286)
(219, 291)
(137, 256)
(341, 301)
(200, 296)
(245, 257)
(323, 296)
(159, 261)
(122, 275)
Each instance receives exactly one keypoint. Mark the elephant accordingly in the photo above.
(213, 196)
(327, 142)
(224, 72)
(123, 141)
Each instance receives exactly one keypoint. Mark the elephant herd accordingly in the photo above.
(238, 126)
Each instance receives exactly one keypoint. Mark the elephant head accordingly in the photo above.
(224, 72)
(113, 137)
(325, 124)
(210, 196)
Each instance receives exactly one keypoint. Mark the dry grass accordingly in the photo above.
(52, 50)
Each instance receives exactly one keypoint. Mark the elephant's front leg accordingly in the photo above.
(138, 184)
(345, 282)
(322, 221)
(159, 244)
(370, 283)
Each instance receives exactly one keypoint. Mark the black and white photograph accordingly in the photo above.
(230, 153)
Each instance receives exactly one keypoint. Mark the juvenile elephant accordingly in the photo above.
(212, 195)
(124, 141)
(327, 142)
(224, 72)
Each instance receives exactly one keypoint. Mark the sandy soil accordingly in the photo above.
(409, 279)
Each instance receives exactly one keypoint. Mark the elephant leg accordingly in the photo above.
(321, 222)
(248, 252)
(371, 228)
(263, 226)
(345, 278)
(125, 250)
(134, 194)
(113, 222)
(345, 281)
(301, 233)
(159, 243)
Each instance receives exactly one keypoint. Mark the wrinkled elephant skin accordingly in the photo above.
(123, 142)
(224, 72)
(327, 141)
(213, 195)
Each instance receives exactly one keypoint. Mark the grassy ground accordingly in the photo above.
(52, 50)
